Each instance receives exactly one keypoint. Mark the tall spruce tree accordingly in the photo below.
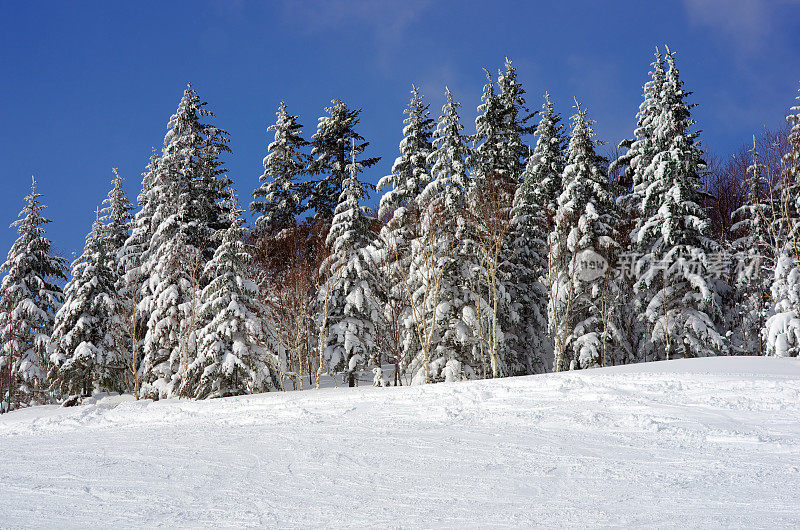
(134, 290)
(279, 199)
(488, 158)
(546, 163)
(526, 254)
(584, 234)
(399, 205)
(631, 187)
(746, 310)
(498, 164)
(640, 150)
(410, 171)
(234, 345)
(330, 148)
(782, 330)
(136, 245)
(117, 218)
(185, 196)
(355, 288)
(84, 351)
(489, 202)
(438, 267)
(678, 296)
(515, 116)
(30, 298)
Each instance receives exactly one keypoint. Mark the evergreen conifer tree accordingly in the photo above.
(526, 254)
(330, 148)
(83, 349)
(117, 218)
(641, 149)
(631, 186)
(514, 118)
(678, 296)
(400, 206)
(546, 163)
(439, 267)
(279, 198)
(746, 309)
(488, 158)
(410, 172)
(498, 164)
(782, 330)
(133, 288)
(584, 233)
(233, 345)
(31, 297)
(185, 201)
(355, 287)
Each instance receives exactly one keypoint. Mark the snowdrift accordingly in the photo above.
(698, 443)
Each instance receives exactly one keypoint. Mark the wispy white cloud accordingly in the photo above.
(384, 23)
(744, 24)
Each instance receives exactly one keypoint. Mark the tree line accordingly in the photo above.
(487, 257)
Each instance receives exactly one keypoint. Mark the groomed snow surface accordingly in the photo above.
(690, 443)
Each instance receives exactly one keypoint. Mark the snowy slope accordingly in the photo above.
(696, 443)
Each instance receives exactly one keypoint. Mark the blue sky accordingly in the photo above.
(87, 86)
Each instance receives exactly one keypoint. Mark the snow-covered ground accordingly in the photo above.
(690, 443)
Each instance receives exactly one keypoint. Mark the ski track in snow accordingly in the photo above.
(696, 443)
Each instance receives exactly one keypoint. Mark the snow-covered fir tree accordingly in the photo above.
(583, 240)
(500, 151)
(30, 297)
(410, 172)
(489, 198)
(782, 330)
(174, 282)
(400, 207)
(330, 149)
(133, 289)
(546, 163)
(498, 164)
(437, 282)
(640, 150)
(134, 249)
(117, 216)
(524, 264)
(209, 185)
(631, 186)
(354, 287)
(514, 118)
(279, 198)
(84, 350)
(184, 195)
(747, 307)
(489, 157)
(526, 256)
(679, 298)
(234, 346)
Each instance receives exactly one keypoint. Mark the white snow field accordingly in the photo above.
(691, 443)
